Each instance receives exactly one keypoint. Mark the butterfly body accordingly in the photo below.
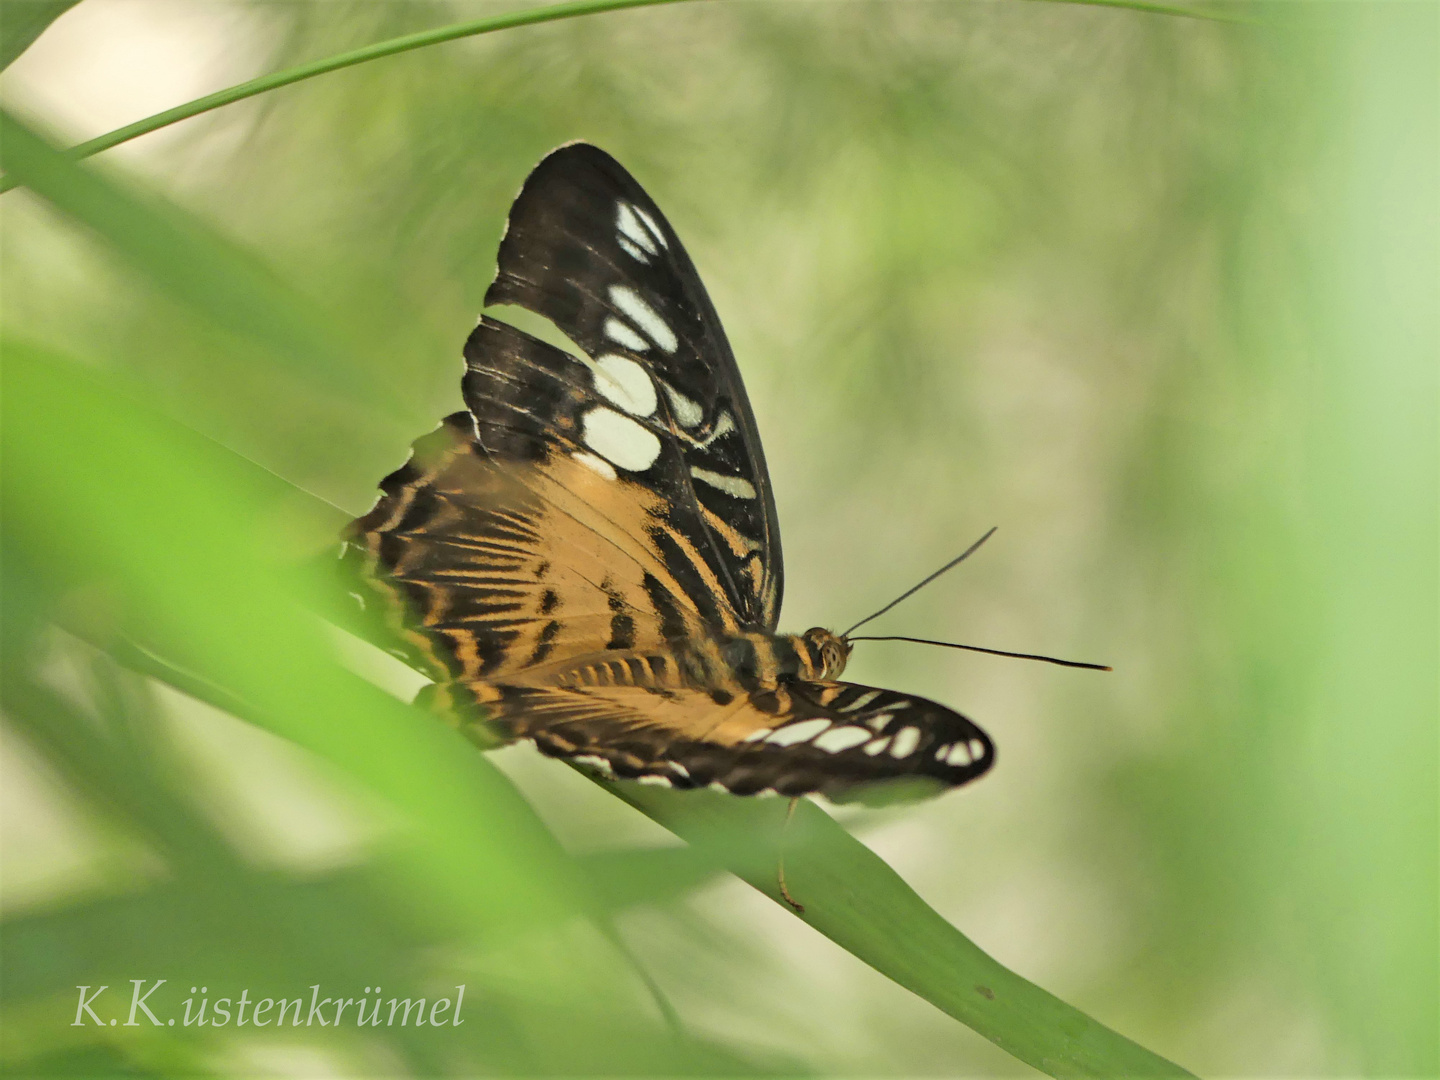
(743, 664)
(588, 555)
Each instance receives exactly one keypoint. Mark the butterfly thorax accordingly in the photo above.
(762, 661)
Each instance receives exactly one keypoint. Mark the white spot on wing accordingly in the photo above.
(687, 412)
(632, 232)
(621, 334)
(791, 734)
(878, 745)
(599, 763)
(625, 383)
(643, 316)
(878, 721)
(959, 754)
(977, 749)
(650, 224)
(735, 486)
(906, 740)
(620, 440)
(842, 738)
(600, 465)
(679, 769)
(724, 426)
(633, 251)
(657, 781)
(861, 701)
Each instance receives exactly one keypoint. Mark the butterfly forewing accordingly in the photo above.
(586, 248)
(509, 546)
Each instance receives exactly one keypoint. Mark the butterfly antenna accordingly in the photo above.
(992, 652)
(912, 591)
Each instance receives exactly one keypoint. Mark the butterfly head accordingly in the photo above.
(828, 652)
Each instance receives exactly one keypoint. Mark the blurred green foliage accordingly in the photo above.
(1154, 295)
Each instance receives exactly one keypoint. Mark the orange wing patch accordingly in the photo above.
(499, 567)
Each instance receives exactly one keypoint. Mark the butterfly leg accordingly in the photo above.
(784, 892)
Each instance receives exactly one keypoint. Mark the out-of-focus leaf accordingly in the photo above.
(379, 50)
(48, 952)
(453, 32)
(850, 894)
(21, 24)
(177, 253)
(97, 488)
(100, 494)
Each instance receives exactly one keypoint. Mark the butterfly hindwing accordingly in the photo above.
(587, 249)
(803, 738)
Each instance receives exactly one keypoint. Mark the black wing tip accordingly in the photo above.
(575, 147)
(576, 152)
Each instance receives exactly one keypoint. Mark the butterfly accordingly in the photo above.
(588, 556)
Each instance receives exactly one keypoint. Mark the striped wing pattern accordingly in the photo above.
(804, 736)
(588, 554)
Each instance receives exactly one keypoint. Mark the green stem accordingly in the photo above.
(528, 17)
(393, 46)
(1161, 9)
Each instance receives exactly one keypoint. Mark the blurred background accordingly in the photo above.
(1153, 295)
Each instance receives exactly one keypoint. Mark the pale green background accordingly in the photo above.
(1156, 296)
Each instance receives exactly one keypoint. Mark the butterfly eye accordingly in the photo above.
(828, 652)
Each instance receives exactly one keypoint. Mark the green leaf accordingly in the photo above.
(158, 535)
(632, 876)
(849, 894)
(99, 489)
(21, 24)
(46, 953)
(183, 257)
(392, 47)
(454, 32)
(852, 897)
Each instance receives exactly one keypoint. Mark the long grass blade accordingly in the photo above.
(99, 488)
(301, 72)
(853, 897)
(453, 32)
(182, 256)
(850, 896)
